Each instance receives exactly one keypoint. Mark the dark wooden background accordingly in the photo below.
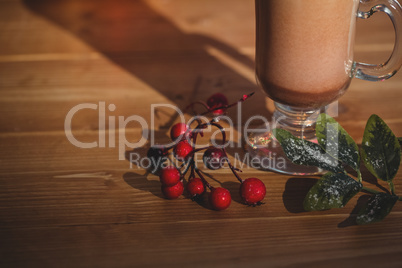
(64, 206)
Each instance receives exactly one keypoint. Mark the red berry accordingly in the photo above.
(252, 191)
(178, 130)
(173, 192)
(195, 187)
(169, 176)
(215, 101)
(213, 158)
(220, 198)
(182, 150)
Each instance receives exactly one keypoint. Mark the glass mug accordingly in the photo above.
(304, 61)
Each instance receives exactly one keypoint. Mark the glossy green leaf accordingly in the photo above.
(333, 190)
(377, 208)
(337, 142)
(381, 151)
(306, 153)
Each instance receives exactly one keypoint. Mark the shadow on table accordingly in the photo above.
(143, 183)
(133, 35)
(296, 189)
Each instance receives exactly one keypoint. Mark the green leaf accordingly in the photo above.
(333, 190)
(377, 208)
(337, 142)
(304, 152)
(381, 151)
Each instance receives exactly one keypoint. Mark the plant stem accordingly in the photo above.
(391, 187)
(202, 178)
(188, 164)
(212, 123)
(191, 105)
(245, 97)
(233, 169)
(370, 190)
(359, 175)
(192, 173)
(203, 148)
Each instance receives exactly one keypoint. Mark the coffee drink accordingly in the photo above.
(304, 52)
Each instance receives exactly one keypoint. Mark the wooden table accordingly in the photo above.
(65, 206)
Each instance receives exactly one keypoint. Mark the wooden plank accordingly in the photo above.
(65, 206)
(217, 243)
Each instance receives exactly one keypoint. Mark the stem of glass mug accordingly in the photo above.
(380, 72)
(298, 121)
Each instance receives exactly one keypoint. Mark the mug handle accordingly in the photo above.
(380, 72)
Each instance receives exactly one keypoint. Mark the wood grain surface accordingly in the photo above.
(65, 206)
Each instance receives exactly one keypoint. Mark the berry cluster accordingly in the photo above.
(252, 190)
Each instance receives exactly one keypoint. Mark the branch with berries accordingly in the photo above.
(173, 176)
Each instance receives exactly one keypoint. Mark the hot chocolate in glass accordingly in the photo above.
(304, 61)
